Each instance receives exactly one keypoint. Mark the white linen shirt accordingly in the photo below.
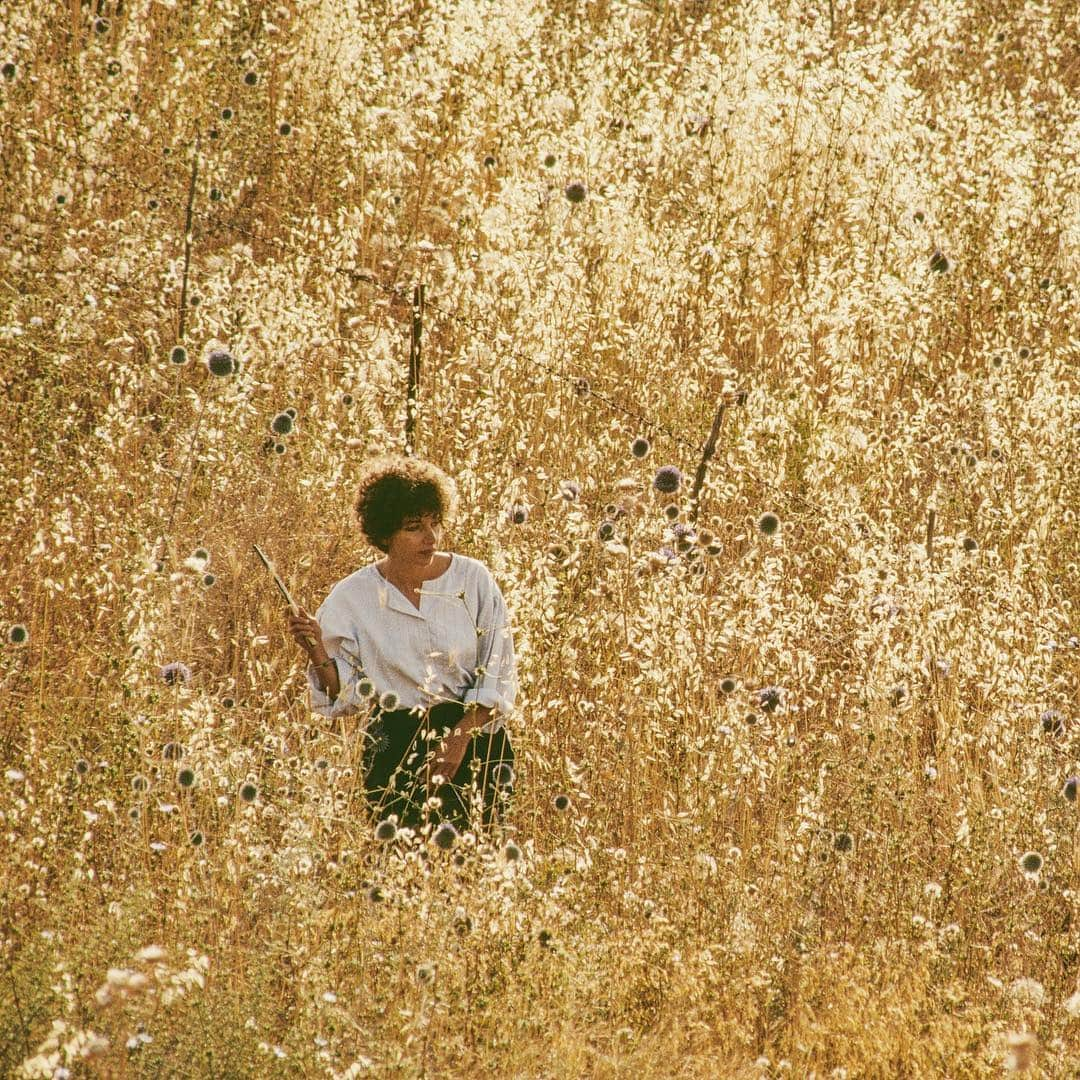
(456, 646)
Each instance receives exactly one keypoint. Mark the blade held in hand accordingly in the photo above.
(277, 580)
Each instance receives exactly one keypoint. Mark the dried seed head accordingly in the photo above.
(939, 262)
(518, 514)
(843, 842)
(221, 364)
(768, 524)
(1031, 862)
(445, 836)
(640, 447)
(175, 673)
(1070, 788)
(667, 480)
(249, 792)
(561, 803)
(575, 192)
(385, 831)
(18, 634)
(282, 424)
(178, 355)
(186, 778)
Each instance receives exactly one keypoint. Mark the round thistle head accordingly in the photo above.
(280, 448)
(1031, 862)
(282, 424)
(519, 514)
(101, 26)
(582, 387)
(970, 545)
(489, 162)
(511, 852)
(575, 192)
(249, 792)
(385, 831)
(18, 634)
(346, 399)
(671, 511)
(139, 783)
(215, 196)
(152, 205)
(201, 555)
(365, 688)
(389, 701)
(196, 839)
(425, 973)
(503, 775)
(207, 580)
(250, 78)
(919, 217)
(8, 70)
(843, 842)
(445, 836)
(640, 447)
(221, 364)
(606, 531)
(227, 113)
(728, 685)
(667, 480)
(178, 355)
(768, 524)
(284, 128)
(569, 491)
(549, 159)
(1023, 352)
(1070, 788)
(175, 673)
(172, 751)
(186, 778)
(939, 262)
(228, 703)
(112, 68)
(375, 895)
(82, 767)
(561, 803)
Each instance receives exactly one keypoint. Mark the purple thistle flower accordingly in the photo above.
(175, 672)
(768, 698)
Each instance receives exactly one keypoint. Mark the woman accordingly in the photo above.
(418, 643)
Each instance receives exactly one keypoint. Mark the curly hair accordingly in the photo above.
(394, 488)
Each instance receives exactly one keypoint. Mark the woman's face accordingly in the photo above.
(416, 542)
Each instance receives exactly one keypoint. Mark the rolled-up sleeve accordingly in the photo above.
(337, 641)
(495, 684)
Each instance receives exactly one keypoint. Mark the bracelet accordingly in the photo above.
(325, 663)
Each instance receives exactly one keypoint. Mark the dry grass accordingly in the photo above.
(865, 216)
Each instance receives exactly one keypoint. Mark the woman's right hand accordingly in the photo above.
(307, 634)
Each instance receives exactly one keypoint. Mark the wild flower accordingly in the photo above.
(768, 698)
(425, 973)
(561, 802)
(518, 514)
(172, 751)
(248, 792)
(175, 673)
(605, 531)
(1070, 788)
(82, 766)
(186, 778)
(385, 831)
(1031, 862)
(843, 842)
(284, 128)
(728, 685)
(511, 852)
(18, 634)
(640, 447)
(939, 263)
(575, 192)
(667, 480)
(220, 363)
(445, 836)
(140, 783)
(388, 701)
(282, 424)
(178, 355)
(250, 78)
(1052, 722)
(768, 524)
(569, 490)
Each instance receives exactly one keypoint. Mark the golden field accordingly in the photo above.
(811, 726)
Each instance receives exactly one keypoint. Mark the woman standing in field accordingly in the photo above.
(418, 644)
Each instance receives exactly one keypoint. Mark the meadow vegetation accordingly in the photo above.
(794, 756)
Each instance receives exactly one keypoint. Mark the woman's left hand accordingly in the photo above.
(451, 752)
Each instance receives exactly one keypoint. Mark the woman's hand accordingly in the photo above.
(451, 752)
(308, 635)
